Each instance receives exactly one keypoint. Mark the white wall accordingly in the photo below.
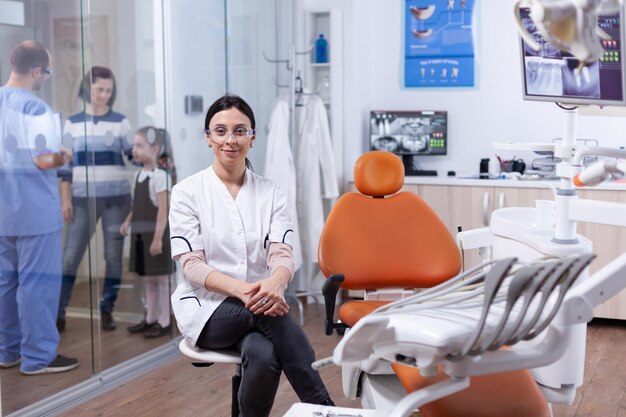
(196, 65)
(492, 111)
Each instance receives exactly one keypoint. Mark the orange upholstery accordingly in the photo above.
(352, 311)
(396, 241)
(378, 174)
(384, 242)
(504, 394)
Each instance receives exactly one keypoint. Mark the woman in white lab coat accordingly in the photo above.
(231, 232)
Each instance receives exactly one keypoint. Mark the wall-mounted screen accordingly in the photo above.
(409, 133)
(552, 75)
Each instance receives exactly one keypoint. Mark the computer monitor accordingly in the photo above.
(410, 133)
(552, 75)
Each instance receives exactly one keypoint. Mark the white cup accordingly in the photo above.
(544, 214)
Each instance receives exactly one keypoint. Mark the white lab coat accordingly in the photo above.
(315, 166)
(280, 167)
(234, 235)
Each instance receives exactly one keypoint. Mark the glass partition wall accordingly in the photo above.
(123, 76)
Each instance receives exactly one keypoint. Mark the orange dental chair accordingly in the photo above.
(391, 244)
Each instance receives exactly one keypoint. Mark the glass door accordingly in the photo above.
(104, 87)
(125, 90)
(129, 166)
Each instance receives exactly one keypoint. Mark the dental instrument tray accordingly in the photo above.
(469, 315)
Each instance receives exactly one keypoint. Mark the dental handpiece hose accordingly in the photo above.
(599, 172)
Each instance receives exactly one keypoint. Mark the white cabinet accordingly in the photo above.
(519, 197)
(459, 207)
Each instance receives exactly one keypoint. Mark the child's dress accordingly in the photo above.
(142, 227)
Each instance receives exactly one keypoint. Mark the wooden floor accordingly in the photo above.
(180, 390)
(97, 350)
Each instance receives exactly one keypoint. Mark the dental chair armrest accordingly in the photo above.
(481, 239)
(330, 290)
(475, 238)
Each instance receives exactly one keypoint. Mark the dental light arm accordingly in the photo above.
(569, 25)
(596, 151)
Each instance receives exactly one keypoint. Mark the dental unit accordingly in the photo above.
(527, 305)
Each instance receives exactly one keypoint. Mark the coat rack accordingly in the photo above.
(293, 75)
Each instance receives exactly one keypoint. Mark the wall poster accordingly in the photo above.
(439, 46)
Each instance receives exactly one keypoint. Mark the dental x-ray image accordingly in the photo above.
(409, 133)
(562, 78)
(544, 76)
(583, 82)
(553, 75)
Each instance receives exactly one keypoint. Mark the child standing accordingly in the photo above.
(150, 254)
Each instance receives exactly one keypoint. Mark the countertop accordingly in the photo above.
(440, 180)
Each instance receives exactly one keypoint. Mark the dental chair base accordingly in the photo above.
(381, 392)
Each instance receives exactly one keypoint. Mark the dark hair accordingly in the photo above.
(160, 137)
(226, 102)
(84, 91)
(165, 159)
(230, 101)
(27, 55)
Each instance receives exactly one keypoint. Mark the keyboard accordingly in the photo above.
(422, 173)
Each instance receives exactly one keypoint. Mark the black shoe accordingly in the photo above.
(327, 401)
(107, 322)
(156, 330)
(61, 325)
(59, 364)
(140, 327)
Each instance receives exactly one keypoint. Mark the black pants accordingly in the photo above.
(268, 346)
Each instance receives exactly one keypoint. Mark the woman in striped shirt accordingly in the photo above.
(96, 180)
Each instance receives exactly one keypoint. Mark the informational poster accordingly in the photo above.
(439, 48)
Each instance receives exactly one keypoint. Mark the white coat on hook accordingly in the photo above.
(315, 167)
(280, 166)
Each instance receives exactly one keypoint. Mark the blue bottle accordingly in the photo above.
(321, 50)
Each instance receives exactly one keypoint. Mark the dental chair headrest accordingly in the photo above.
(378, 173)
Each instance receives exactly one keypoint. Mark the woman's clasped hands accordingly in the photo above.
(267, 296)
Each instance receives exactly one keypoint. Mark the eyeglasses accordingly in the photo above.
(47, 71)
(221, 134)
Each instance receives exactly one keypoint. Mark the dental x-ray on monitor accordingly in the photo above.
(409, 133)
(552, 75)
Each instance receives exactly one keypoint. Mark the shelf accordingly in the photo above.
(322, 65)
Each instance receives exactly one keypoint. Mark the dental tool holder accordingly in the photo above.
(465, 321)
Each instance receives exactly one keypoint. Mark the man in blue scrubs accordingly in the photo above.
(30, 218)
